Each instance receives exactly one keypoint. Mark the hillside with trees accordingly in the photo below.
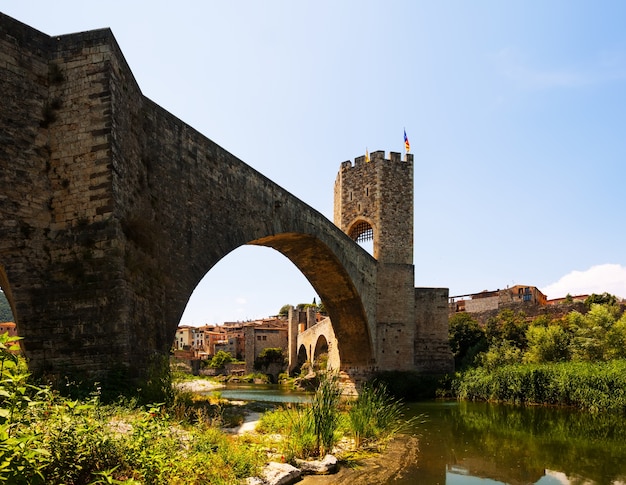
(577, 359)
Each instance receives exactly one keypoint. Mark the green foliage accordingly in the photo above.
(324, 410)
(284, 310)
(604, 298)
(507, 325)
(590, 332)
(590, 386)
(46, 438)
(466, 339)
(321, 308)
(220, 359)
(313, 429)
(297, 427)
(616, 339)
(563, 358)
(6, 315)
(547, 344)
(269, 355)
(500, 353)
(374, 415)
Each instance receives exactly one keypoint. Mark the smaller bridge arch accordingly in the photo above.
(316, 338)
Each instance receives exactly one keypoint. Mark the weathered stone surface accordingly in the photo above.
(325, 466)
(112, 211)
(280, 474)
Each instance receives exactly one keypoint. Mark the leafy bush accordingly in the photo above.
(547, 344)
(585, 385)
(220, 359)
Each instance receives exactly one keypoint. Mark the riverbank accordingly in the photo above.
(401, 453)
(199, 385)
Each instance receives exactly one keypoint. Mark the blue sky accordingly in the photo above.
(515, 112)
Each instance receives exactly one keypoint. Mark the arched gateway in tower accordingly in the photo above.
(374, 201)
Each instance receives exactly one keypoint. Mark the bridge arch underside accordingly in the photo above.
(302, 356)
(321, 348)
(332, 282)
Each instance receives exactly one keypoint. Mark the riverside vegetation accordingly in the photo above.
(51, 439)
(576, 360)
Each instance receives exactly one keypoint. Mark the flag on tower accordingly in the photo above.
(367, 156)
(407, 145)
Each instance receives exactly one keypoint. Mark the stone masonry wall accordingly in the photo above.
(379, 192)
(482, 304)
(396, 322)
(432, 350)
(310, 337)
(59, 250)
(112, 210)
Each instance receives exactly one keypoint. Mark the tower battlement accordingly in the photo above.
(374, 201)
(377, 156)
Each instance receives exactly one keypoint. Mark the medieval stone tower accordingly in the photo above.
(374, 201)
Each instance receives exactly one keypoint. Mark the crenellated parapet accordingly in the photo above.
(374, 200)
(375, 157)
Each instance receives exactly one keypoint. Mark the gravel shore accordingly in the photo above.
(199, 385)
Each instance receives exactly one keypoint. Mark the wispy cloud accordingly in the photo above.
(610, 278)
(606, 67)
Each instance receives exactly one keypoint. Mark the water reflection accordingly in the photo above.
(488, 444)
(264, 393)
(479, 443)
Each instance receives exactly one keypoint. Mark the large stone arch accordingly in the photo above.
(104, 240)
(113, 210)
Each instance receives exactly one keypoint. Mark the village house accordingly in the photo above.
(498, 299)
(243, 340)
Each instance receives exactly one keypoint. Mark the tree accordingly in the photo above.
(269, 355)
(507, 325)
(547, 344)
(284, 310)
(616, 340)
(321, 308)
(466, 339)
(220, 359)
(590, 332)
(604, 298)
(500, 353)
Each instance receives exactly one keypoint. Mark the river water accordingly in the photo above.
(480, 444)
(487, 444)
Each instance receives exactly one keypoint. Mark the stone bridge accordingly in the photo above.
(112, 210)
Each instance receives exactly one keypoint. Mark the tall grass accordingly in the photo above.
(314, 429)
(324, 410)
(593, 386)
(374, 415)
